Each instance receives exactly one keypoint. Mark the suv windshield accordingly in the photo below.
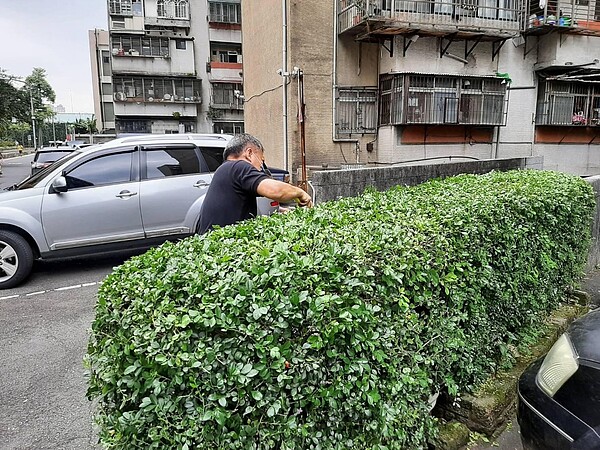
(52, 156)
(34, 179)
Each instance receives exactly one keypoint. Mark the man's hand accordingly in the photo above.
(304, 200)
(283, 192)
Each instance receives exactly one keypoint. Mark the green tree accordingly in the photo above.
(41, 93)
(13, 101)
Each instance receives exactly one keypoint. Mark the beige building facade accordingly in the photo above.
(419, 81)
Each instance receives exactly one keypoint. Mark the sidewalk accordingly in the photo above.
(510, 438)
(12, 152)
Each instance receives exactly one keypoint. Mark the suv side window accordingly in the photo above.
(213, 157)
(172, 161)
(107, 169)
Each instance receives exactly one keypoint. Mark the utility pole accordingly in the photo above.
(32, 119)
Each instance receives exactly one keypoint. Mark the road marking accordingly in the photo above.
(64, 288)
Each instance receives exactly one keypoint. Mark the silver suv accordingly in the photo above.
(131, 192)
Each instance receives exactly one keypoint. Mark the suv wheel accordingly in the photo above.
(16, 259)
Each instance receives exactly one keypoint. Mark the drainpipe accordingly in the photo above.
(334, 71)
(284, 69)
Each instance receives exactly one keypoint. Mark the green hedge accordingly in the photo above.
(330, 328)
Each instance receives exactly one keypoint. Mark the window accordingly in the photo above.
(224, 95)
(181, 9)
(172, 9)
(146, 89)
(108, 169)
(161, 163)
(391, 103)
(431, 99)
(180, 44)
(356, 111)
(123, 45)
(120, 7)
(213, 157)
(224, 12)
(226, 53)
(228, 127)
(568, 103)
(133, 126)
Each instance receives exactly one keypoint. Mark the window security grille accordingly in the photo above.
(225, 12)
(142, 89)
(138, 45)
(431, 99)
(568, 103)
(172, 9)
(120, 7)
(223, 95)
(356, 111)
(228, 127)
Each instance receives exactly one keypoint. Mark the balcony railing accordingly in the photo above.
(147, 98)
(235, 105)
(568, 16)
(502, 18)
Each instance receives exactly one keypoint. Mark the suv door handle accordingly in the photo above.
(201, 184)
(125, 194)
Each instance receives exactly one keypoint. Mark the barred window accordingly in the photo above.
(139, 45)
(120, 7)
(148, 89)
(431, 99)
(224, 95)
(172, 9)
(356, 111)
(568, 103)
(224, 12)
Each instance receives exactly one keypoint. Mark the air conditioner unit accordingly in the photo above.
(120, 96)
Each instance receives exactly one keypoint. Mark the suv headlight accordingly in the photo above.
(559, 365)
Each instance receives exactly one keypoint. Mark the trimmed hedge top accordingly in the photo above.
(330, 328)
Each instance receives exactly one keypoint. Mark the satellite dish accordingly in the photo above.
(120, 96)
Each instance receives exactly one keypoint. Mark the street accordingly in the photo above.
(44, 327)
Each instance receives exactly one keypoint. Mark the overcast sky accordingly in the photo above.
(53, 35)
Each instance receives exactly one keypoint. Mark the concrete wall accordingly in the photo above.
(262, 33)
(333, 184)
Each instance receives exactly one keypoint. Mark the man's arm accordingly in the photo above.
(283, 192)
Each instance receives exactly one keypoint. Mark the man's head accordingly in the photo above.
(247, 147)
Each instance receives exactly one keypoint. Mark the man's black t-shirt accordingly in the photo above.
(231, 196)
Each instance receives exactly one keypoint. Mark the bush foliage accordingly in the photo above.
(330, 328)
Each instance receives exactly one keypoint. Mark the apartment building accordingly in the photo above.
(169, 66)
(417, 81)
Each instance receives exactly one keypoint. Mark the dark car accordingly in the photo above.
(47, 155)
(559, 395)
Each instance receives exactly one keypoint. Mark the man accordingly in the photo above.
(232, 194)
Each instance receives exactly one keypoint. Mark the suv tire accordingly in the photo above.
(16, 259)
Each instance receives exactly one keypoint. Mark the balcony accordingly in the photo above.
(568, 17)
(234, 105)
(372, 20)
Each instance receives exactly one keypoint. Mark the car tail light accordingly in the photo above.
(274, 204)
(559, 365)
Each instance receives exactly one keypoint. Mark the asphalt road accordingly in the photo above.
(44, 327)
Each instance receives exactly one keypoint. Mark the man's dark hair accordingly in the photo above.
(238, 143)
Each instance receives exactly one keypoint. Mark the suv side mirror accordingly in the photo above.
(59, 185)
